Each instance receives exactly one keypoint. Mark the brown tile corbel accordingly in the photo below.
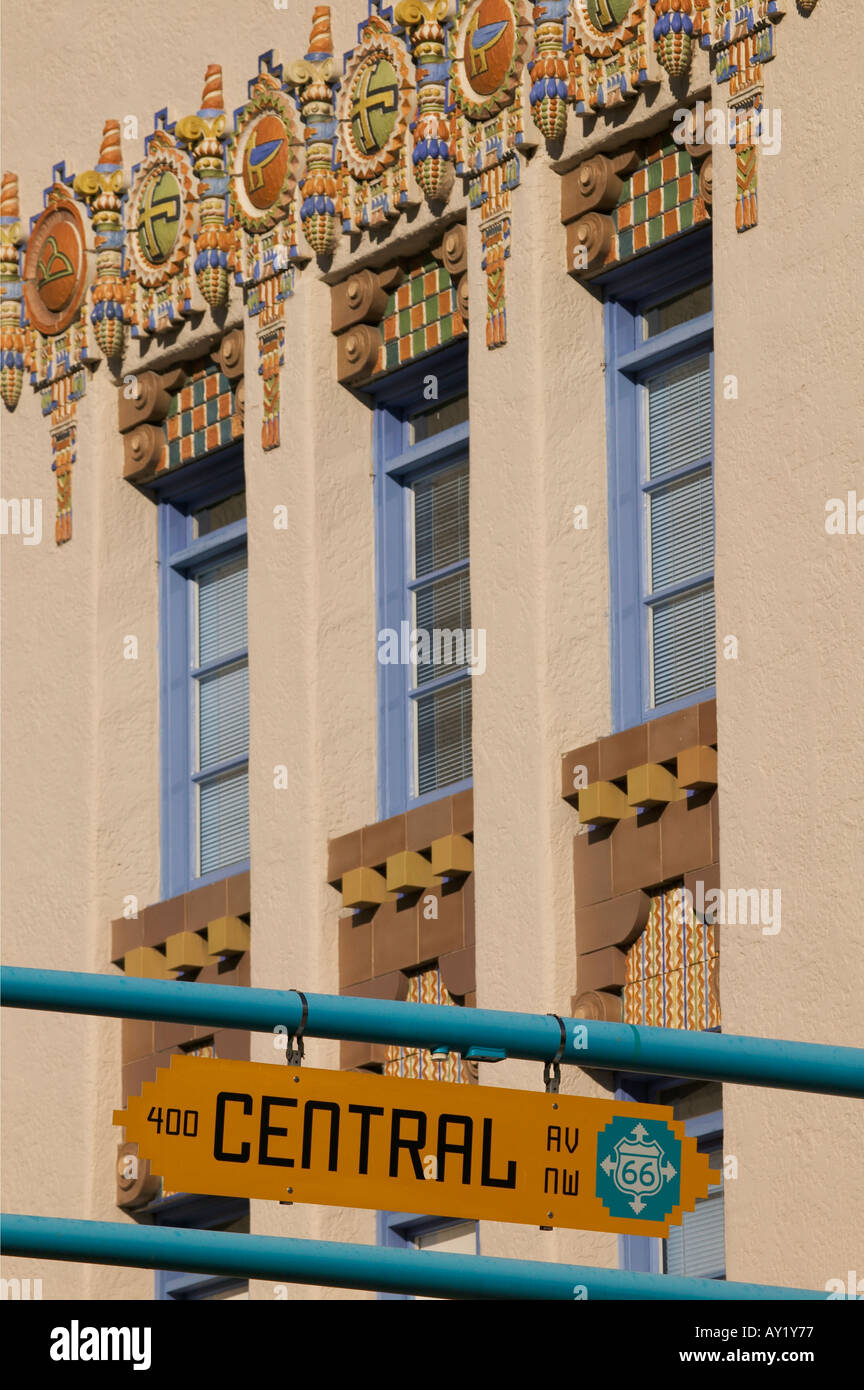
(140, 417)
(453, 255)
(588, 194)
(356, 308)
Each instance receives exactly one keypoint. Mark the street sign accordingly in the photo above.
(343, 1138)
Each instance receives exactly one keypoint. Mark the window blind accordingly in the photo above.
(222, 610)
(680, 529)
(443, 717)
(682, 645)
(223, 715)
(444, 737)
(696, 1249)
(224, 820)
(679, 416)
(440, 520)
(445, 605)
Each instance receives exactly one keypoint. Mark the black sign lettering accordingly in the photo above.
(554, 1172)
(308, 1118)
(570, 1186)
(267, 1129)
(412, 1145)
(365, 1112)
(486, 1178)
(464, 1148)
(553, 1138)
(571, 1148)
(219, 1138)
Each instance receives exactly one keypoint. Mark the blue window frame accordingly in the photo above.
(200, 1214)
(695, 1249)
(422, 583)
(659, 375)
(203, 661)
(402, 1230)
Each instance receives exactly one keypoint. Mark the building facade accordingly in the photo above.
(421, 546)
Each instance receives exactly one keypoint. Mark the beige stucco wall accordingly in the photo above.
(81, 723)
(791, 717)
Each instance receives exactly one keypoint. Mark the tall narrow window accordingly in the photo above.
(204, 676)
(441, 686)
(426, 646)
(221, 681)
(661, 489)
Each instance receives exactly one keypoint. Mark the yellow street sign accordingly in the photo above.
(342, 1138)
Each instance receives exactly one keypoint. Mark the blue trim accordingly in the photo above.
(397, 1230)
(398, 464)
(629, 293)
(181, 558)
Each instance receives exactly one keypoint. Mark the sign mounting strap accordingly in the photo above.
(552, 1070)
(296, 1051)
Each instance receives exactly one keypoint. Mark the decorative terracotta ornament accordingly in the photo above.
(103, 189)
(609, 58)
(678, 23)
(320, 192)
(55, 266)
(548, 70)
(492, 44)
(161, 222)
(205, 135)
(743, 43)
(13, 358)
(433, 165)
(374, 110)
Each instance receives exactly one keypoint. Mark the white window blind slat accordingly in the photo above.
(681, 530)
(444, 737)
(222, 610)
(440, 520)
(682, 645)
(444, 604)
(679, 416)
(223, 806)
(223, 715)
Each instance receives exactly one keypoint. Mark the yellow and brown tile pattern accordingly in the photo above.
(671, 971)
(426, 988)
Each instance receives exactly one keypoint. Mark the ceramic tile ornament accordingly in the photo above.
(609, 57)
(678, 24)
(205, 135)
(265, 165)
(492, 44)
(316, 80)
(374, 111)
(55, 267)
(619, 206)
(103, 189)
(428, 988)
(671, 976)
(743, 42)
(432, 155)
(161, 224)
(549, 68)
(56, 278)
(13, 339)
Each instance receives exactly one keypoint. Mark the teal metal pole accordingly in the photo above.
(481, 1034)
(336, 1265)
